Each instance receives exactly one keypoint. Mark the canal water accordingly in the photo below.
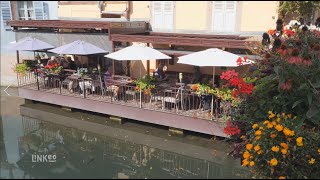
(44, 141)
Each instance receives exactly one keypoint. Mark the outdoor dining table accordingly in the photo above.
(87, 82)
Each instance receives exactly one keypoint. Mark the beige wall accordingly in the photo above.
(86, 11)
(141, 9)
(191, 15)
(257, 15)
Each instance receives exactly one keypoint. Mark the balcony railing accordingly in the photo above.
(177, 100)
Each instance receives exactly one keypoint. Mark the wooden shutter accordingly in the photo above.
(6, 13)
(168, 15)
(162, 12)
(46, 10)
(230, 16)
(38, 9)
(157, 14)
(218, 17)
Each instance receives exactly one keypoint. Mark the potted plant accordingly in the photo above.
(21, 69)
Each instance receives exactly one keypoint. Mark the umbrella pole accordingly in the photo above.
(213, 73)
(140, 90)
(36, 70)
(18, 57)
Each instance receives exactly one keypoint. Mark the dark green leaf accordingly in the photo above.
(297, 102)
(309, 99)
(313, 111)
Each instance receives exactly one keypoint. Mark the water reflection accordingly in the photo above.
(84, 154)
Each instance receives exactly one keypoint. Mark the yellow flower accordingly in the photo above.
(246, 154)
(258, 133)
(284, 151)
(257, 137)
(312, 160)
(255, 126)
(270, 112)
(266, 122)
(273, 162)
(249, 146)
(278, 119)
(259, 152)
(299, 141)
(284, 145)
(261, 128)
(275, 148)
(272, 135)
(269, 125)
(251, 163)
(288, 132)
(282, 177)
(279, 127)
(257, 148)
(245, 162)
(274, 123)
(271, 116)
(319, 150)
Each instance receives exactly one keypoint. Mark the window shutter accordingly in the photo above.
(38, 8)
(46, 10)
(6, 13)
(157, 14)
(218, 19)
(230, 16)
(168, 15)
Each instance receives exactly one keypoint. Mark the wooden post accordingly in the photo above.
(148, 63)
(18, 57)
(113, 66)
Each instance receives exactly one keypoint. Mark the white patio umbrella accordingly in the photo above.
(212, 57)
(78, 48)
(137, 53)
(28, 44)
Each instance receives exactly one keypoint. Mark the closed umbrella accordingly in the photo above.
(135, 53)
(212, 57)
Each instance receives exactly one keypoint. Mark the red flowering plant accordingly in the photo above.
(233, 92)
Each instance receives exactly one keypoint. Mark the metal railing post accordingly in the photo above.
(36, 73)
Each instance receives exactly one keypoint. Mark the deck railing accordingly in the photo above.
(177, 100)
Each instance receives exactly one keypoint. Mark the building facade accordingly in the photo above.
(200, 16)
(20, 10)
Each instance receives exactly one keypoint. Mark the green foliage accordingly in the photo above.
(21, 69)
(303, 8)
(146, 84)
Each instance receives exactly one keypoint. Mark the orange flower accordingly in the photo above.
(279, 127)
(259, 152)
(246, 154)
(282, 177)
(275, 148)
(273, 162)
(257, 137)
(269, 125)
(245, 162)
(257, 148)
(249, 146)
(258, 133)
(272, 135)
(284, 151)
(284, 145)
(251, 163)
(299, 141)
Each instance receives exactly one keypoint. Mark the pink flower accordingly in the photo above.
(286, 85)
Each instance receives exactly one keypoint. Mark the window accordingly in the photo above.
(162, 15)
(5, 14)
(224, 16)
(26, 10)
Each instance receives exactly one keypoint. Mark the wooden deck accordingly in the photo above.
(195, 120)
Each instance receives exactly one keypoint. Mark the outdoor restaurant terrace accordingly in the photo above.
(173, 103)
